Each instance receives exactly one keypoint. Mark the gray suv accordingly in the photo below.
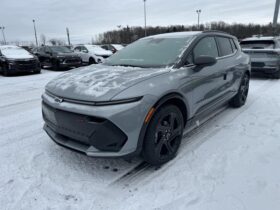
(265, 54)
(142, 98)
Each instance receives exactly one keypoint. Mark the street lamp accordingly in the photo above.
(145, 17)
(68, 36)
(198, 18)
(35, 32)
(4, 38)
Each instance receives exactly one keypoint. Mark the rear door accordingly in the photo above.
(228, 64)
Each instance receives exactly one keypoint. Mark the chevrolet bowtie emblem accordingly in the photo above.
(58, 100)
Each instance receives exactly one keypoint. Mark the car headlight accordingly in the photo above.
(61, 59)
(117, 102)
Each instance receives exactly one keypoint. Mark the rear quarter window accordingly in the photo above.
(225, 46)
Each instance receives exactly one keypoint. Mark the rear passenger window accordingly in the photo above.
(207, 46)
(233, 45)
(224, 46)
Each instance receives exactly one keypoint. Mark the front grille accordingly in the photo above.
(26, 65)
(105, 56)
(88, 130)
(26, 62)
(72, 60)
(258, 64)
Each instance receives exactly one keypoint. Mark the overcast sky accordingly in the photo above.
(86, 18)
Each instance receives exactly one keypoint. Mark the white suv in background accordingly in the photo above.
(92, 54)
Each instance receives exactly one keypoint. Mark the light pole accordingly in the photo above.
(198, 18)
(68, 36)
(35, 32)
(3, 33)
(275, 18)
(145, 17)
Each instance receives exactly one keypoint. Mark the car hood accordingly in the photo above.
(101, 52)
(99, 82)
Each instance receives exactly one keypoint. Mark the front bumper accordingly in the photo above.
(70, 65)
(98, 131)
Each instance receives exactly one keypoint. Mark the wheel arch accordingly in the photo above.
(176, 99)
(171, 98)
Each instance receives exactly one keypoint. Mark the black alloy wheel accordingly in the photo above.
(241, 97)
(164, 135)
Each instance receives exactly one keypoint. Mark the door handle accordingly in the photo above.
(225, 76)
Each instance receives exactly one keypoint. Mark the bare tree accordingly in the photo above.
(57, 42)
(126, 35)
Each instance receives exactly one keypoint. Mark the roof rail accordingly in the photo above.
(215, 31)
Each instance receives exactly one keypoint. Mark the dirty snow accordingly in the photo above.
(231, 162)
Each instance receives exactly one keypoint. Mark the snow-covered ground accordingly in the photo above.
(230, 163)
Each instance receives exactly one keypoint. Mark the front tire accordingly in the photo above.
(91, 61)
(6, 72)
(276, 75)
(164, 135)
(241, 97)
(55, 66)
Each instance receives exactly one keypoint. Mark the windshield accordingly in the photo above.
(117, 46)
(262, 44)
(60, 49)
(150, 52)
(12, 51)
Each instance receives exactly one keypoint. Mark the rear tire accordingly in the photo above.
(241, 97)
(164, 135)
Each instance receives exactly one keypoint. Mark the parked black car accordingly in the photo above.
(58, 57)
(15, 59)
(265, 55)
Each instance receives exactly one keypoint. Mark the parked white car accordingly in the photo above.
(92, 54)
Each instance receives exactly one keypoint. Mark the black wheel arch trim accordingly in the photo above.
(163, 100)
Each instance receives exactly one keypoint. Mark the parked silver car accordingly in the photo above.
(265, 54)
(141, 99)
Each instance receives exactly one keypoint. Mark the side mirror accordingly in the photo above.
(84, 51)
(204, 60)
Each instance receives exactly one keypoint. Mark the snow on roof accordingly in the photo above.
(175, 34)
(2, 47)
(261, 38)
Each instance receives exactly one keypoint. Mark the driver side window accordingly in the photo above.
(77, 49)
(207, 46)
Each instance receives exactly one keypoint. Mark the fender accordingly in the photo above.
(159, 103)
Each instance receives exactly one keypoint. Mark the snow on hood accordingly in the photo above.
(99, 82)
(16, 53)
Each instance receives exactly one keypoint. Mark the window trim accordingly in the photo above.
(226, 56)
